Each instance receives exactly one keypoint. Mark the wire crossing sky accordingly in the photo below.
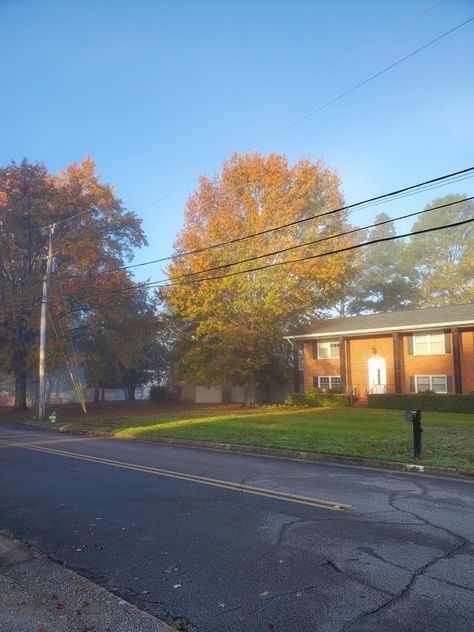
(159, 93)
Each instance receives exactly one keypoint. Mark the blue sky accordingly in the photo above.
(160, 92)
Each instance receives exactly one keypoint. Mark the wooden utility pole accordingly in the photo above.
(43, 328)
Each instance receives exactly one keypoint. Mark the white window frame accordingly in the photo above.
(430, 377)
(326, 344)
(330, 378)
(428, 335)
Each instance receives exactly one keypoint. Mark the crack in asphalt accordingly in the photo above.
(355, 578)
(281, 534)
(448, 583)
(462, 542)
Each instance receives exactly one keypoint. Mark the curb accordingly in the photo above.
(279, 453)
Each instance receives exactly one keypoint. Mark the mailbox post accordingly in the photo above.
(414, 416)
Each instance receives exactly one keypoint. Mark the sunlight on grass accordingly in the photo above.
(448, 439)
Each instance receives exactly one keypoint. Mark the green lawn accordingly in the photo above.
(448, 438)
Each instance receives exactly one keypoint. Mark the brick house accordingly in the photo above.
(393, 352)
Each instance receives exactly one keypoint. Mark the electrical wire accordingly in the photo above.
(73, 355)
(165, 283)
(318, 109)
(311, 81)
(290, 125)
(76, 384)
(420, 187)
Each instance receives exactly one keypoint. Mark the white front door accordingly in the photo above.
(377, 374)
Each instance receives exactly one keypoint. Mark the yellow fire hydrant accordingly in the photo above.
(53, 416)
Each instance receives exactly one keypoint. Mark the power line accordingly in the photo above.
(163, 283)
(326, 254)
(323, 239)
(319, 109)
(422, 186)
(294, 123)
(311, 81)
(408, 191)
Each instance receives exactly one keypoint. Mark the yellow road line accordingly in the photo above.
(203, 480)
(69, 440)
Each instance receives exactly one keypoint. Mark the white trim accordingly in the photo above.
(354, 332)
(431, 382)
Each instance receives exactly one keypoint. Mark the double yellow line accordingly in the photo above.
(202, 480)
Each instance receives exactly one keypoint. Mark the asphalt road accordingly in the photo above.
(314, 547)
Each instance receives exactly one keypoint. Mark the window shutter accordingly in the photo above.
(315, 381)
(412, 384)
(447, 342)
(449, 384)
(410, 344)
(315, 350)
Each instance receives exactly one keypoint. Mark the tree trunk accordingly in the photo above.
(250, 393)
(131, 388)
(20, 390)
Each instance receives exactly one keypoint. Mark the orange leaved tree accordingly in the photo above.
(232, 328)
(93, 233)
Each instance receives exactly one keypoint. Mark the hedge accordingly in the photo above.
(319, 400)
(424, 401)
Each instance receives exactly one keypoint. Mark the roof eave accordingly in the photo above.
(381, 330)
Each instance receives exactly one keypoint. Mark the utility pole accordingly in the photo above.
(43, 328)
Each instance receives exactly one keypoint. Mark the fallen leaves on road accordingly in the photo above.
(171, 568)
(264, 594)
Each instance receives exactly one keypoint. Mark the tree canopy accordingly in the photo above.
(442, 262)
(232, 327)
(93, 233)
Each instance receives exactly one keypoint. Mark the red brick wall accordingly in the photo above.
(467, 361)
(426, 365)
(313, 366)
(359, 352)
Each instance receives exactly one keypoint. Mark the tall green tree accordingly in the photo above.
(442, 262)
(385, 283)
(101, 235)
(121, 342)
(231, 327)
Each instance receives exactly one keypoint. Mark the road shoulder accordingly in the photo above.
(39, 595)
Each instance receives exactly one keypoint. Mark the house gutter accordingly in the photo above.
(363, 332)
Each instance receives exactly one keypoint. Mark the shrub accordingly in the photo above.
(295, 399)
(424, 401)
(319, 400)
(158, 394)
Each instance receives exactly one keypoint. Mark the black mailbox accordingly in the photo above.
(413, 415)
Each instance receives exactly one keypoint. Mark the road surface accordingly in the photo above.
(237, 542)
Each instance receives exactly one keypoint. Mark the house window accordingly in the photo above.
(429, 344)
(436, 383)
(328, 349)
(300, 359)
(327, 381)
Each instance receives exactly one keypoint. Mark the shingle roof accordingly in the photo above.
(389, 321)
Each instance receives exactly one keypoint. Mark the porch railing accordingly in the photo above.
(381, 389)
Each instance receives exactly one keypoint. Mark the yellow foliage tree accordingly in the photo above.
(232, 328)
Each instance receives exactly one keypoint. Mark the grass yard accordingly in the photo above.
(448, 438)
